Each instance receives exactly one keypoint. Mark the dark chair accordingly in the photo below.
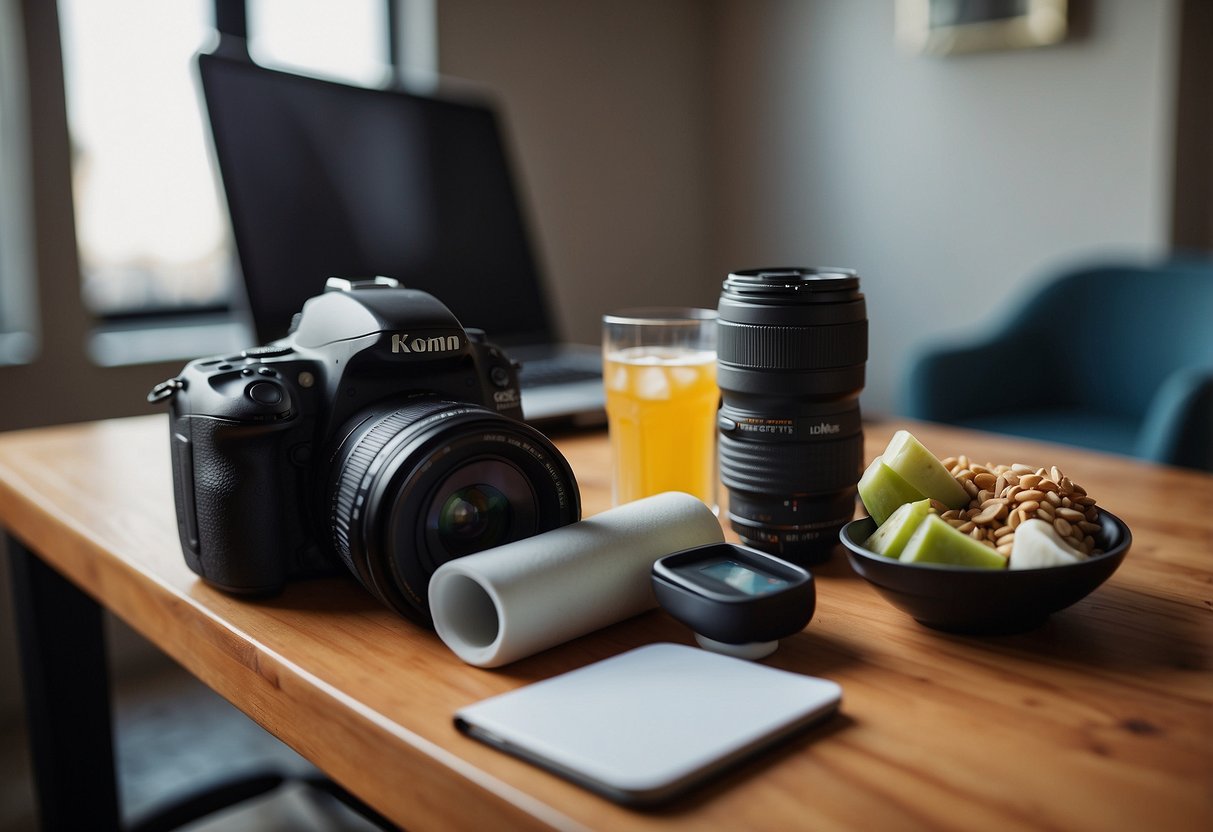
(1117, 358)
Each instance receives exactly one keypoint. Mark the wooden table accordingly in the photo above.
(1101, 719)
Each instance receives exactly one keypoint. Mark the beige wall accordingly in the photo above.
(607, 104)
(664, 143)
(950, 183)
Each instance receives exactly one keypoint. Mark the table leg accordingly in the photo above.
(67, 696)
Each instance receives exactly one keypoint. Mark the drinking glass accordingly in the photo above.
(659, 369)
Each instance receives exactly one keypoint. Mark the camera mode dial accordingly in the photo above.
(268, 351)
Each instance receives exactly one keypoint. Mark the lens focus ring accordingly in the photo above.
(792, 347)
(779, 467)
(346, 503)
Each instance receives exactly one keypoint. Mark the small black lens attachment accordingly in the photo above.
(739, 601)
(792, 348)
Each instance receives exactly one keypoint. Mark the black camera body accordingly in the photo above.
(334, 444)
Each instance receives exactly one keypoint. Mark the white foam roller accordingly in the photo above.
(505, 604)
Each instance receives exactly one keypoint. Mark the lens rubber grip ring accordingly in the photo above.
(785, 467)
(355, 467)
(792, 347)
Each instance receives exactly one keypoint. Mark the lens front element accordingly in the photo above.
(485, 503)
(473, 517)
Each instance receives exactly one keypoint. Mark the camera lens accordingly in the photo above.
(472, 518)
(415, 485)
(481, 505)
(792, 345)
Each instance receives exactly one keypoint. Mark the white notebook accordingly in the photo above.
(644, 726)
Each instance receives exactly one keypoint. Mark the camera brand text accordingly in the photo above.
(441, 343)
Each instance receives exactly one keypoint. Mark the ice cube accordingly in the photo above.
(651, 383)
(684, 376)
(617, 378)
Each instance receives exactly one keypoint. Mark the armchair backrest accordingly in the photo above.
(1111, 335)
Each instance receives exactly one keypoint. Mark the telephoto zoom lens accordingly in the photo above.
(792, 344)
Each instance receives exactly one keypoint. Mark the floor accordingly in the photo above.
(173, 733)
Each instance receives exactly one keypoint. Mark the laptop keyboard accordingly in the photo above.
(547, 371)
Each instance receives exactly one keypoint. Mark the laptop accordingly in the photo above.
(326, 179)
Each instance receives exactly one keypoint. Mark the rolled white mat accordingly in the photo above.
(505, 604)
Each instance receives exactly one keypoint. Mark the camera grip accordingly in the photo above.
(236, 540)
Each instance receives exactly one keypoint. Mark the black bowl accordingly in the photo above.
(971, 600)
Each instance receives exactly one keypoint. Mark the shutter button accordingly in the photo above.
(265, 392)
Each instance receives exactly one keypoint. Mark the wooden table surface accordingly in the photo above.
(1101, 719)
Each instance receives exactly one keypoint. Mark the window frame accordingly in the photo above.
(62, 380)
(18, 306)
(162, 333)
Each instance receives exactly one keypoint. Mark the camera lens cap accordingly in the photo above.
(812, 284)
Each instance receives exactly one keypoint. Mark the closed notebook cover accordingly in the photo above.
(644, 726)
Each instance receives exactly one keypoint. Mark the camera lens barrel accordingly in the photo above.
(792, 348)
(414, 485)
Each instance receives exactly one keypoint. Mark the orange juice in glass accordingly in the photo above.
(659, 369)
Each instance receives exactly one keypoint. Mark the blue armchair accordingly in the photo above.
(1116, 358)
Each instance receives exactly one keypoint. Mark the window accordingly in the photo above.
(347, 41)
(17, 312)
(151, 228)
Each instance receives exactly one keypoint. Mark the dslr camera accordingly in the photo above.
(379, 434)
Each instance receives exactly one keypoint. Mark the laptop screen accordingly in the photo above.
(326, 179)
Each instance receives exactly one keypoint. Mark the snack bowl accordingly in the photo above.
(985, 601)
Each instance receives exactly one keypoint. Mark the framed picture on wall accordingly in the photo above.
(945, 27)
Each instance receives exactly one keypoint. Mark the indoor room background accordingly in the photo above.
(661, 144)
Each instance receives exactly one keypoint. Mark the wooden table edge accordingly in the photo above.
(68, 549)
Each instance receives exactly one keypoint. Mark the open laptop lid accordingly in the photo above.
(325, 179)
